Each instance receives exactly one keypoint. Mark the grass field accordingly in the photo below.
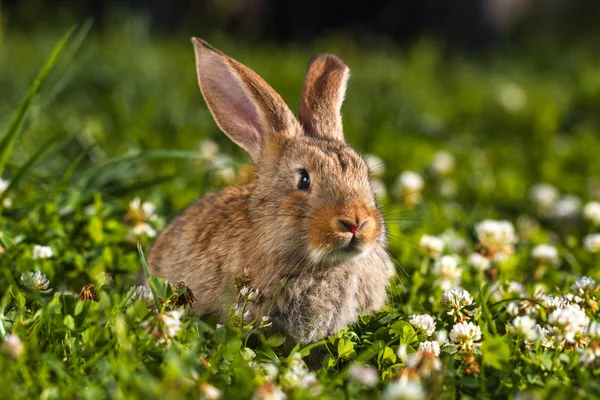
(117, 139)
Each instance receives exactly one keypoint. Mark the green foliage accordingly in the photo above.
(126, 119)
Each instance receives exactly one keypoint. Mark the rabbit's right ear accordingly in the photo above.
(244, 106)
(322, 97)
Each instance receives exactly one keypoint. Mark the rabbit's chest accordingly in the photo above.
(312, 307)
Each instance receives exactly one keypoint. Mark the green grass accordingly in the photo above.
(118, 114)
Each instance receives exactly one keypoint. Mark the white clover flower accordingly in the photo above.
(584, 285)
(269, 391)
(142, 294)
(36, 281)
(140, 229)
(591, 212)
(13, 345)
(513, 308)
(268, 371)
(208, 150)
(298, 376)
(555, 302)
(516, 289)
(424, 362)
(424, 323)
(465, 334)
(379, 188)
(455, 299)
(545, 254)
(543, 196)
(592, 243)
(590, 356)
(511, 96)
(404, 390)
(209, 392)
(478, 261)
(265, 322)
(376, 165)
(236, 311)
(411, 181)
(223, 164)
(163, 326)
(567, 207)
(497, 237)
(430, 346)
(3, 186)
(432, 245)
(497, 291)
(248, 293)
(592, 330)
(42, 252)
(570, 298)
(551, 337)
(409, 186)
(141, 211)
(525, 328)
(570, 320)
(442, 163)
(364, 375)
(448, 272)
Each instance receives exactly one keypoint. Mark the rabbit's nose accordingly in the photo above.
(347, 225)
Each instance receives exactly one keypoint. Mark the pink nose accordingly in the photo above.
(349, 226)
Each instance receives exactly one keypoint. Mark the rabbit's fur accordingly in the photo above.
(325, 246)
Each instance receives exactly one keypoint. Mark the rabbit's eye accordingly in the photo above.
(304, 182)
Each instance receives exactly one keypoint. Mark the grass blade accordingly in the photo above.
(15, 127)
(157, 304)
(24, 168)
(94, 172)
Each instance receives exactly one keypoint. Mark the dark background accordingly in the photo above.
(462, 24)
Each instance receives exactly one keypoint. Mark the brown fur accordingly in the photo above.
(271, 230)
(322, 96)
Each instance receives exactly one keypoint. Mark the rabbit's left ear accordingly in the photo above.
(322, 97)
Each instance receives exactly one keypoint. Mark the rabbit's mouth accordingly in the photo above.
(352, 249)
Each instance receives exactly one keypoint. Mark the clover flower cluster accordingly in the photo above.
(496, 238)
(455, 301)
(221, 164)
(298, 377)
(465, 335)
(447, 271)
(409, 185)
(545, 254)
(42, 252)
(548, 203)
(424, 323)
(36, 281)
(164, 326)
(568, 325)
(433, 246)
(139, 216)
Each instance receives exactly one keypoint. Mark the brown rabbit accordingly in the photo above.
(309, 224)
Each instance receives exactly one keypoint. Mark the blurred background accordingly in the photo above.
(509, 88)
(467, 24)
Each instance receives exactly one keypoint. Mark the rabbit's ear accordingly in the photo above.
(322, 97)
(244, 106)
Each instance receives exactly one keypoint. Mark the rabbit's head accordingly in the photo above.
(313, 201)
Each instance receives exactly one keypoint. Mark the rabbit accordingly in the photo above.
(309, 227)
